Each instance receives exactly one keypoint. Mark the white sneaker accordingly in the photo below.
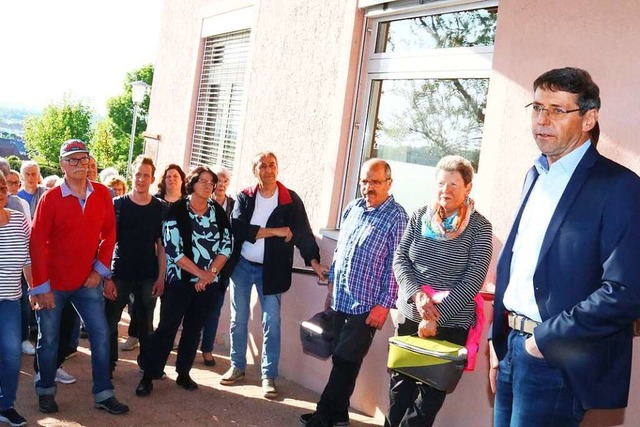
(129, 344)
(28, 348)
(64, 377)
(269, 389)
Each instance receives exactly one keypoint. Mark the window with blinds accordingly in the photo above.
(220, 96)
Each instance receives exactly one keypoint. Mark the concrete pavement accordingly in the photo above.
(211, 405)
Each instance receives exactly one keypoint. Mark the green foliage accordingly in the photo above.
(14, 162)
(120, 113)
(58, 122)
(45, 170)
(106, 148)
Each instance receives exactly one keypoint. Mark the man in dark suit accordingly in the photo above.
(568, 280)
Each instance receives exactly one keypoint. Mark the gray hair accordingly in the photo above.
(376, 162)
(5, 167)
(53, 179)
(221, 171)
(28, 164)
(260, 156)
(458, 164)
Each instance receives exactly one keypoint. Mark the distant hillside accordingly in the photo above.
(11, 120)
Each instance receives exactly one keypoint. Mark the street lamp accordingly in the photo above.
(138, 91)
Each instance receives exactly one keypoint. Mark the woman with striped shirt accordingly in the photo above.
(446, 250)
(14, 259)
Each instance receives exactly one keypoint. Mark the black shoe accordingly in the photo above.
(208, 362)
(112, 406)
(12, 417)
(144, 388)
(47, 404)
(185, 381)
(317, 420)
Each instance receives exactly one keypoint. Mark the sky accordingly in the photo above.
(83, 48)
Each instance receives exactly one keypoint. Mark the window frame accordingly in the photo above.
(458, 62)
(239, 19)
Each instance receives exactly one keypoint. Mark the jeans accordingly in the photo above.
(354, 340)
(530, 393)
(211, 325)
(412, 403)
(10, 351)
(145, 304)
(89, 302)
(181, 303)
(244, 276)
(69, 321)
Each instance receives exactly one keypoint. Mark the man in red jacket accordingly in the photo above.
(71, 246)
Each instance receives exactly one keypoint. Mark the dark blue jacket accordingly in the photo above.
(587, 281)
(278, 254)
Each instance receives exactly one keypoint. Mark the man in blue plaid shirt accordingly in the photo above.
(362, 286)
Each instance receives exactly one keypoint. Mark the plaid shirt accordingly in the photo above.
(361, 271)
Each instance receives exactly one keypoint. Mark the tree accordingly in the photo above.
(436, 117)
(58, 122)
(113, 136)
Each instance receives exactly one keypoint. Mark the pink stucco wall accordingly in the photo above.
(532, 37)
(300, 86)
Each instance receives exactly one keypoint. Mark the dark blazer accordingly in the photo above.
(587, 281)
(278, 254)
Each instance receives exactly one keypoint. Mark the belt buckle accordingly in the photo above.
(522, 322)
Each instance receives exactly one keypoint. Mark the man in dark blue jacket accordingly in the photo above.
(267, 221)
(568, 279)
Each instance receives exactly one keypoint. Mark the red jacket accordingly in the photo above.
(65, 241)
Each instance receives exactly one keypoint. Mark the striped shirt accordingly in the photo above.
(361, 269)
(458, 265)
(14, 254)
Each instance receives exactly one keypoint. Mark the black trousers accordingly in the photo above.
(180, 303)
(412, 403)
(145, 304)
(133, 330)
(354, 341)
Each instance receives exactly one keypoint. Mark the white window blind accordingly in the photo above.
(220, 97)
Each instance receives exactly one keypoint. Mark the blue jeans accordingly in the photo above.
(211, 325)
(89, 302)
(530, 392)
(10, 351)
(244, 276)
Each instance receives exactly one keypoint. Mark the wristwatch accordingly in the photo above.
(214, 269)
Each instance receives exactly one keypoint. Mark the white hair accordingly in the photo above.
(29, 164)
(221, 170)
(51, 181)
(107, 173)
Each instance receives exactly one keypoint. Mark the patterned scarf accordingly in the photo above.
(435, 226)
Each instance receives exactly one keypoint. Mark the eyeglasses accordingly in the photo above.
(13, 183)
(205, 182)
(372, 182)
(553, 112)
(74, 162)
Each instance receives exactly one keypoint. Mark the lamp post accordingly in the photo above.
(138, 91)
